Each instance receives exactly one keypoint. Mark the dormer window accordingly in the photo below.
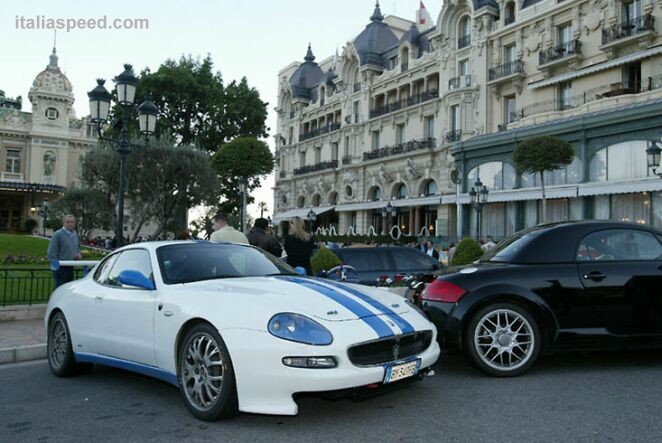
(322, 95)
(404, 60)
(510, 13)
(52, 114)
(464, 33)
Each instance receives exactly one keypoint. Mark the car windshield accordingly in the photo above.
(509, 248)
(192, 262)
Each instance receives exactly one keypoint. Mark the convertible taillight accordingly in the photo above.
(441, 290)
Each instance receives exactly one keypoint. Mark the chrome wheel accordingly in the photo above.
(202, 370)
(504, 340)
(58, 344)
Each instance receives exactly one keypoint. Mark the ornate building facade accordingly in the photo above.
(39, 150)
(415, 117)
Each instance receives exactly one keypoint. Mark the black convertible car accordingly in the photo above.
(590, 285)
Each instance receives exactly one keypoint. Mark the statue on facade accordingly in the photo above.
(49, 163)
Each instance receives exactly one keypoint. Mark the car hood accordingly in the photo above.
(323, 299)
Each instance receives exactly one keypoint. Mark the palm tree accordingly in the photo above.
(263, 207)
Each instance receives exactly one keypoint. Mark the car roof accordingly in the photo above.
(557, 242)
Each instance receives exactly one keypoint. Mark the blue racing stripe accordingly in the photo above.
(150, 371)
(403, 324)
(370, 318)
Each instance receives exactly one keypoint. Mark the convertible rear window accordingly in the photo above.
(508, 249)
(191, 262)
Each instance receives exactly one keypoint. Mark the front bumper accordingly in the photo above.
(266, 386)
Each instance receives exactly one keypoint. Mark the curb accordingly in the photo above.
(22, 353)
(23, 312)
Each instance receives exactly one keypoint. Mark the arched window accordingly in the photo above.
(623, 161)
(333, 199)
(322, 95)
(301, 202)
(317, 200)
(376, 194)
(401, 191)
(494, 175)
(357, 79)
(464, 33)
(430, 188)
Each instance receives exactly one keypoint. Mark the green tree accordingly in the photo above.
(161, 178)
(539, 154)
(90, 207)
(196, 108)
(243, 160)
(467, 252)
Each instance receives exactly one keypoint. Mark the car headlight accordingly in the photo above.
(300, 329)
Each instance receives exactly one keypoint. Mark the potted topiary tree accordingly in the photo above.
(539, 154)
(467, 252)
(324, 260)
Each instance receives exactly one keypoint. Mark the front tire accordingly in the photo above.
(502, 339)
(206, 376)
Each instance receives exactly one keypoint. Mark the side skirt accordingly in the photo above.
(150, 371)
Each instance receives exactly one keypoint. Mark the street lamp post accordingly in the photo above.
(653, 153)
(311, 217)
(100, 98)
(478, 194)
(388, 212)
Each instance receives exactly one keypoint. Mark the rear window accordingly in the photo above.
(412, 260)
(508, 249)
(364, 259)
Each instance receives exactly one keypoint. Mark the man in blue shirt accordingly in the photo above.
(64, 245)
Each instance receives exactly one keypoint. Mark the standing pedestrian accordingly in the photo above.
(260, 237)
(299, 245)
(224, 233)
(64, 245)
(431, 251)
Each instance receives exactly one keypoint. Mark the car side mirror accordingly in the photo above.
(136, 279)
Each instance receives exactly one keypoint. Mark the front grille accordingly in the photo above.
(390, 349)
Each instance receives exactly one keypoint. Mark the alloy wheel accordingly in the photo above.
(504, 339)
(202, 369)
(58, 342)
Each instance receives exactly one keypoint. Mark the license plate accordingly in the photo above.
(404, 370)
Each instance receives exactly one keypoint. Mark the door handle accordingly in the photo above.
(595, 276)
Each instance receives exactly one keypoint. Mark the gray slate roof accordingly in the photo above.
(375, 40)
(306, 78)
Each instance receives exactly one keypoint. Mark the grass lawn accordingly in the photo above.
(15, 244)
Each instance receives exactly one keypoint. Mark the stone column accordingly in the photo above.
(418, 225)
(412, 221)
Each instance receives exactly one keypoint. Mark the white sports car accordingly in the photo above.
(233, 327)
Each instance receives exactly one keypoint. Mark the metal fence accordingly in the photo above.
(27, 286)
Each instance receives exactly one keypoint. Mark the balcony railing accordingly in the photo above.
(509, 20)
(591, 95)
(404, 103)
(463, 41)
(507, 69)
(11, 176)
(282, 174)
(462, 81)
(292, 114)
(347, 160)
(357, 87)
(316, 167)
(319, 131)
(564, 50)
(404, 67)
(635, 26)
(454, 135)
(410, 146)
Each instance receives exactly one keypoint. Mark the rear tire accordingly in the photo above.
(61, 357)
(502, 339)
(206, 375)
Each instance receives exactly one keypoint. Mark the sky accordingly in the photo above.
(247, 38)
